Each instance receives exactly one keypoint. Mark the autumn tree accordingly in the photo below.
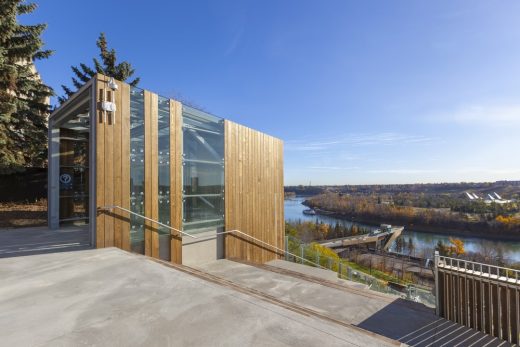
(108, 66)
(23, 96)
(456, 247)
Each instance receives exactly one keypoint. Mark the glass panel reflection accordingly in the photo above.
(203, 170)
(203, 211)
(164, 176)
(137, 169)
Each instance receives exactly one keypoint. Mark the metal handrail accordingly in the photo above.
(111, 207)
(448, 261)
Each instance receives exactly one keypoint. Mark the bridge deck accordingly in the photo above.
(362, 239)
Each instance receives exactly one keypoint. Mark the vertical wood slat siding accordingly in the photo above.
(109, 169)
(117, 145)
(253, 192)
(176, 179)
(112, 164)
(100, 163)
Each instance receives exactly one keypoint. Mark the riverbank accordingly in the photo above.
(417, 227)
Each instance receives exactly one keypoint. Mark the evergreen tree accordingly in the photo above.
(108, 67)
(337, 230)
(411, 247)
(399, 244)
(23, 96)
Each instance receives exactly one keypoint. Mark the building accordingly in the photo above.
(150, 175)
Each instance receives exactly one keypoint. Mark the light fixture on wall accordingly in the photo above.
(112, 84)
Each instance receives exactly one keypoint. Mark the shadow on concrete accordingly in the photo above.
(39, 240)
(392, 322)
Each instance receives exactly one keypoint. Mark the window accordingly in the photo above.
(137, 169)
(203, 170)
(164, 176)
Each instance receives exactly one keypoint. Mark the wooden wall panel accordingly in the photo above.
(253, 193)
(176, 179)
(100, 164)
(109, 169)
(112, 165)
(116, 125)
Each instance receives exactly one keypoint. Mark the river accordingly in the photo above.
(294, 212)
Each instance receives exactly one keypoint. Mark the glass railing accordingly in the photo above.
(302, 253)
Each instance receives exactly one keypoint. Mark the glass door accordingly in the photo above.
(74, 169)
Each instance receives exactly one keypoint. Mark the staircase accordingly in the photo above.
(384, 319)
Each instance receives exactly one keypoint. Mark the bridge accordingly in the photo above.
(381, 240)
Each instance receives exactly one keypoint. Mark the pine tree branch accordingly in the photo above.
(87, 70)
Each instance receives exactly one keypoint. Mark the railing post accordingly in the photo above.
(301, 253)
(287, 247)
(318, 257)
(339, 268)
(436, 272)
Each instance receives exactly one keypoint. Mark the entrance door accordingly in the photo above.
(74, 170)
(69, 175)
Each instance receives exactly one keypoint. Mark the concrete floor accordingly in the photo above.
(108, 297)
(386, 315)
(39, 240)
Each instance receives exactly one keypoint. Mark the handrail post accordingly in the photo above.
(436, 274)
(287, 247)
(301, 253)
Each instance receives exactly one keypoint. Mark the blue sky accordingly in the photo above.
(360, 91)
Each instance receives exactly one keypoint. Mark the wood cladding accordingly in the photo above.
(176, 179)
(112, 165)
(253, 193)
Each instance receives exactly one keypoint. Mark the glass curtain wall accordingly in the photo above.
(137, 169)
(203, 171)
(164, 176)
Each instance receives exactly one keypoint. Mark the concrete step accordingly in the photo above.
(385, 315)
(324, 274)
